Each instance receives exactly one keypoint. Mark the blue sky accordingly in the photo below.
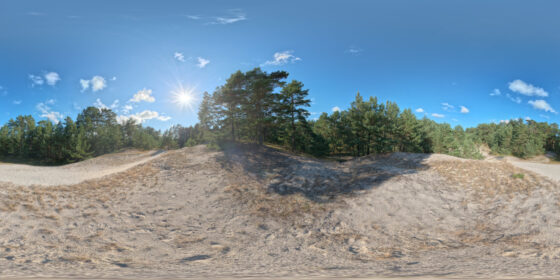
(497, 59)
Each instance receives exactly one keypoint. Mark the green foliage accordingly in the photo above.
(518, 138)
(95, 132)
(518, 176)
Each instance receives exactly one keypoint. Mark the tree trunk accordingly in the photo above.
(293, 127)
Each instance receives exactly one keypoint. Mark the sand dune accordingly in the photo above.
(21, 174)
(254, 211)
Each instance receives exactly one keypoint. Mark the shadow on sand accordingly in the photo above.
(319, 180)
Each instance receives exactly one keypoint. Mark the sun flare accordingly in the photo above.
(183, 97)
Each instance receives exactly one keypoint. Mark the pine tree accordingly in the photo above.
(292, 107)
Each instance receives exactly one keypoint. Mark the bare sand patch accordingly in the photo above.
(26, 175)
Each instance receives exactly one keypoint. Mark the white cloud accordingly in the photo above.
(114, 78)
(52, 78)
(464, 109)
(524, 88)
(99, 105)
(544, 116)
(46, 112)
(436, 115)
(542, 105)
(97, 83)
(50, 101)
(516, 99)
(143, 116)
(527, 118)
(354, 50)
(143, 95)
(16, 102)
(281, 58)
(419, 110)
(504, 121)
(447, 106)
(235, 16)
(179, 56)
(335, 109)
(84, 84)
(36, 80)
(495, 92)
(126, 109)
(202, 62)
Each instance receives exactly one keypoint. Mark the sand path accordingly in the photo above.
(27, 175)
(549, 170)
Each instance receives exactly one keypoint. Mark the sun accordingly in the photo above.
(183, 97)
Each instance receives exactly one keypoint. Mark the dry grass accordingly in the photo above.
(490, 178)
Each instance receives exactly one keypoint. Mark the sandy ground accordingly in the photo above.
(254, 212)
(21, 174)
(541, 165)
(549, 170)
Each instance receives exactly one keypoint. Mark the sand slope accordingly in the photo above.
(250, 211)
(27, 175)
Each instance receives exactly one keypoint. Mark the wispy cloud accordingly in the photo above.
(202, 62)
(419, 110)
(447, 107)
(233, 16)
(542, 105)
(84, 84)
(436, 115)
(99, 105)
(515, 99)
(36, 14)
(46, 112)
(143, 95)
(354, 50)
(281, 58)
(496, 92)
(524, 88)
(464, 110)
(143, 116)
(179, 56)
(126, 109)
(16, 102)
(36, 80)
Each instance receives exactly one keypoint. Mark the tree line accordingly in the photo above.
(260, 107)
(256, 106)
(94, 132)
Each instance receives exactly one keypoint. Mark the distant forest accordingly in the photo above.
(260, 107)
